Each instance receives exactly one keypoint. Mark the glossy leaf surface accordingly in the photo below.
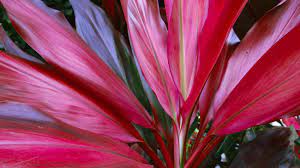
(264, 34)
(148, 36)
(184, 28)
(268, 91)
(27, 145)
(12, 48)
(61, 47)
(220, 19)
(41, 88)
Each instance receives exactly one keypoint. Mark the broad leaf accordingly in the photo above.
(268, 91)
(148, 35)
(46, 31)
(43, 89)
(264, 34)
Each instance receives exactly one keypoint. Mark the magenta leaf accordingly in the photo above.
(268, 91)
(44, 90)
(12, 48)
(25, 144)
(220, 19)
(62, 48)
(185, 26)
(148, 36)
(263, 35)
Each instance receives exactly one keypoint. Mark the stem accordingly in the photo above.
(164, 149)
(206, 146)
(157, 162)
(179, 145)
(176, 146)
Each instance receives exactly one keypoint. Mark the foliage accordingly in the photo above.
(137, 85)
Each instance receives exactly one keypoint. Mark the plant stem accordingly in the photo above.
(157, 162)
(163, 149)
(206, 146)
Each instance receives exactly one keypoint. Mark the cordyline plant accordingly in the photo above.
(87, 104)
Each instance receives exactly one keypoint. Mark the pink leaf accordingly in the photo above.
(26, 145)
(263, 35)
(46, 31)
(43, 89)
(148, 35)
(268, 91)
(12, 48)
(221, 16)
(169, 7)
(293, 121)
(213, 82)
(185, 26)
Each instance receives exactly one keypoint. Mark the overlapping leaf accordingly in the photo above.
(14, 110)
(28, 83)
(216, 76)
(264, 34)
(12, 48)
(220, 19)
(148, 35)
(95, 28)
(46, 31)
(268, 91)
(25, 144)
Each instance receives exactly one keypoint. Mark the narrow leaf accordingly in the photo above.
(50, 147)
(268, 91)
(220, 19)
(13, 49)
(263, 35)
(43, 89)
(95, 28)
(148, 35)
(61, 47)
(15, 110)
(185, 26)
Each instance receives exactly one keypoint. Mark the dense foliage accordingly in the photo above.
(141, 83)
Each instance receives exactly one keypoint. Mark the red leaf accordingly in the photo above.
(185, 26)
(263, 35)
(23, 82)
(169, 7)
(292, 121)
(268, 91)
(46, 31)
(12, 48)
(213, 82)
(148, 35)
(27, 145)
(220, 19)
